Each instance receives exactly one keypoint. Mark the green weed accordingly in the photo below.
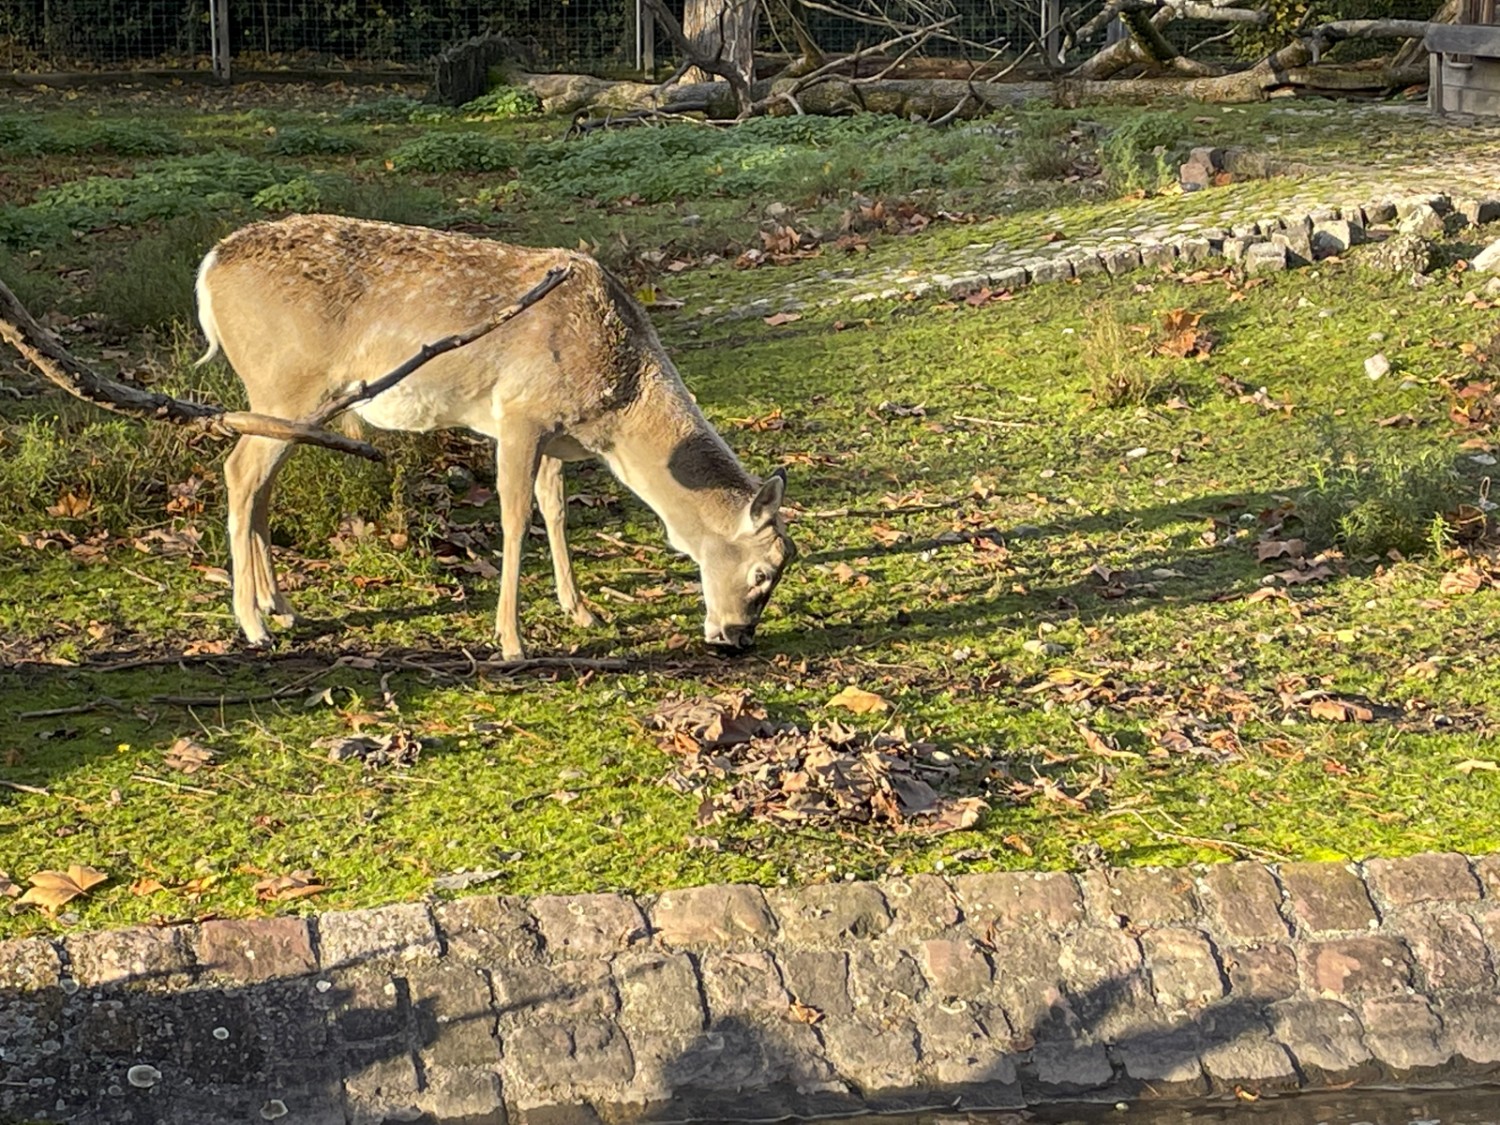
(454, 152)
(1118, 373)
(295, 140)
(152, 284)
(1139, 151)
(502, 103)
(1384, 501)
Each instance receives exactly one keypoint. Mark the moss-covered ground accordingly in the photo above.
(1023, 523)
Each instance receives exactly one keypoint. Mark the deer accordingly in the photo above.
(308, 307)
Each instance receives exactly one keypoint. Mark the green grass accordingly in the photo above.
(935, 548)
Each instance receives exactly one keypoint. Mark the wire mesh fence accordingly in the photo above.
(60, 35)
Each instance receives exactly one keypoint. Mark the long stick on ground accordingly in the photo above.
(48, 355)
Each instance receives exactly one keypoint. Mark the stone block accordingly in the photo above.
(588, 925)
(873, 1057)
(961, 285)
(1236, 247)
(885, 984)
(1327, 898)
(1063, 1067)
(818, 979)
(1487, 869)
(1142, 896)
(961, 1051)
(255, 949)
(1253, 1060)
(1195, 175)
(1168, 1061)
(400, 933)
(367, 1004)
(1297, 245)
(1248, 230)
(1004, 901)
(1264, 258)
(956, 968)
(488, 929)
(659, 992)
(921, 906)
(1055, 269)
(1243, 903)
(582, 1058)
(455, 1016)
(1478, 211)
(830, 914)
(1120, 260)
(743, 985)
(1361, 966)
(1488, 259)
(1030, 986)
(1403, 1033)
(141, 954)
(707, 917)
(1473, 1026)
(1261, 973)
(27, 964)
(1380, 211)
(461, 1093)
(566, 991)
(1422, 219)
(1449, 952)
(1009, 277)
(1086, 264)
(382, 1090)
(1184, 971)
(1098, 960)
(1211, 156)
(1158, 255)
(1194, 248)
(1323, 1036)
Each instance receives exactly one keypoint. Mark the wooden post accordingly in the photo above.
(645, 22)
(218, 26)
(1052, 29)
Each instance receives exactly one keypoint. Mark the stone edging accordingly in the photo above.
(727, 1003)
(1269, 244)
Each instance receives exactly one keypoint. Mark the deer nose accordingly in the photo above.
(730, 638)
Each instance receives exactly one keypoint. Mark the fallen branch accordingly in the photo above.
(47, 354)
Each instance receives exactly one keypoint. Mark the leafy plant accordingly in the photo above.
(1138, 153)
(397, 107)
(302, 194)
(503, 103)
(1388, 501)
(298, 140)
(454, 152)
(1118, 374)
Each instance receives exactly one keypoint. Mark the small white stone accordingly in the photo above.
(1377, 366)
(142, 1076)
(221, 1033)
(273, 1109)
(323, 985)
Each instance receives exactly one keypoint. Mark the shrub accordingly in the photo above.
(20, 136)
(397, 107)
(302, 194)
(454, 152)
(296, 140)
(1139, 152)
(1118, 374)
(1389, 501)
(502, 103)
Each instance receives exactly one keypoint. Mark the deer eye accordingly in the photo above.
(759, 576)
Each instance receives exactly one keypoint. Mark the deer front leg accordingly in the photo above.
(249, 471)
(516, 459)
(553, 502)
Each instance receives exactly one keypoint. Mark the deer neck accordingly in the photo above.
(677, 464)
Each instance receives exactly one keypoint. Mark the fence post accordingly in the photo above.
(218, 30)
(1052, 29)
(645, 43)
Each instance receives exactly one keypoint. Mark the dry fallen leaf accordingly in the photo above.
(143, 887)
(299, 884)
(859, 701)
(53, 889)
(776, 320)
(1464, 580)
(804, 1013)
(1469, 765)
(1101, 745)
(188, 755)
(7, 888)
(1340, 711)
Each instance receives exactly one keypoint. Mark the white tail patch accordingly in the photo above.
(206, 309)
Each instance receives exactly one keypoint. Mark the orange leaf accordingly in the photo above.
(859, 701)
(1340, 711)
(1464, 580)
(299, 884)
(52, 889)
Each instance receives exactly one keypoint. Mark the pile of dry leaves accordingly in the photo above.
(746, 763)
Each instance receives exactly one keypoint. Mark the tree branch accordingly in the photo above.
(48, 355)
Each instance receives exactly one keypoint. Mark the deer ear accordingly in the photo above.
(767, 501)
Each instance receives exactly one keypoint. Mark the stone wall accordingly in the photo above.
(727, 1003)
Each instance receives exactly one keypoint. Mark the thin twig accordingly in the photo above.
(37, 789)
(998, 423)
(77, 709)
(178, 785)
(138, 576)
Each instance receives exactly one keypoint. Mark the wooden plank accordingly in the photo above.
(168, 77)
(1463, 39)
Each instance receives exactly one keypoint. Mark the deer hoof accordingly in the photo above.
(584, 617)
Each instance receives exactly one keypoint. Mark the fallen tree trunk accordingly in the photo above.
(572, 94)
(47, 354)
(1252, 85)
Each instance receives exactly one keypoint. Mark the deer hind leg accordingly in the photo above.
(516, 459)
(249, 472)
(553, 502)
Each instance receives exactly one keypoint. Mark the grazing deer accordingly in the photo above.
(307, 307)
